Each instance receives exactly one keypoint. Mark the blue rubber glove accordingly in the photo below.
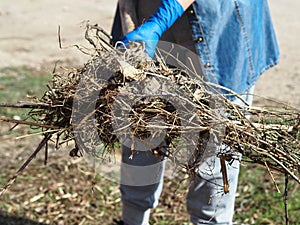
(151, 31)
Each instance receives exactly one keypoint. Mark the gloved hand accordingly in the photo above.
(151, 31)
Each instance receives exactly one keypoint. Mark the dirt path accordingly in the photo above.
(283, 82)
(28, 36)
(28, 29)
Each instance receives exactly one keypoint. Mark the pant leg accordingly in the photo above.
(206, 201)
(141, 185)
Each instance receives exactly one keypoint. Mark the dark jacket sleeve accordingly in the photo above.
(116, 30)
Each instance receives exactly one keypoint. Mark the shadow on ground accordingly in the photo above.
(15, 220)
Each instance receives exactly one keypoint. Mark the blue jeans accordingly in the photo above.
(206, 201)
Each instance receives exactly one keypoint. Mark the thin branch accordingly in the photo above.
(25, 164)
(28, 123)
(27, 105)
(286, 199)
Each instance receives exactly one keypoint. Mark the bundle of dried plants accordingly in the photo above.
(120, 95)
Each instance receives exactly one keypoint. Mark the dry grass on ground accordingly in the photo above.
(67, 191)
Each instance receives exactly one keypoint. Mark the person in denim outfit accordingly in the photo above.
(236, 44)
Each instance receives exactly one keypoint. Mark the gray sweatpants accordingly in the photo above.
(206, 201)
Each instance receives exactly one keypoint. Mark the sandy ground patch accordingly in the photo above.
(28, 34)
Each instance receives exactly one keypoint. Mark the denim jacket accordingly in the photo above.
(235, 39)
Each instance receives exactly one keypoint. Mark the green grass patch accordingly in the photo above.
(258, 200)
(18, 84)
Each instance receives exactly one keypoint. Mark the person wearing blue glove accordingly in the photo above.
(151, 31)
(236, 43)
